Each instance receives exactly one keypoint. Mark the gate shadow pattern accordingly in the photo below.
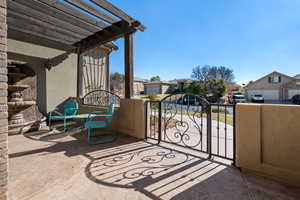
(156, 171)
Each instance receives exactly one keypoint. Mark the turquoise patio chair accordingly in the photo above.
(94, 122)
(68, 111)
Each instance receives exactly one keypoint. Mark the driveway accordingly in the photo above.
(194, 128)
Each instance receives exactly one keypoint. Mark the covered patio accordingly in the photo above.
(63, 166)
(58, 164)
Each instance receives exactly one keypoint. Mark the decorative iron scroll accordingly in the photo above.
(184, 120)
(119, 170)
(101, 98)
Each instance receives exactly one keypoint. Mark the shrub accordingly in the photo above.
(153, 97)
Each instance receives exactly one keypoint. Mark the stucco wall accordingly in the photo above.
(268, 138)
(129, 118)
(61, 82)
(55, 85)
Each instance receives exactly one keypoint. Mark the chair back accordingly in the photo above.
(70, 107)
(111, 109)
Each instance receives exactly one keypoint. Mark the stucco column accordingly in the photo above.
(3, 103)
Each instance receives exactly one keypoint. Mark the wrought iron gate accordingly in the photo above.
(192, 122)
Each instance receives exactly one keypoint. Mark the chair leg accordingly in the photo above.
(65, 125)
(49, 124)
(91, 135)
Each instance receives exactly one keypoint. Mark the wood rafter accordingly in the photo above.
(73, 13)
(59, 22)
(108, 34)
(92, 10)
(19, 18)
(40, 13)
(117, 12)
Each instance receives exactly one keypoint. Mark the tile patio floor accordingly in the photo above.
(61, 166)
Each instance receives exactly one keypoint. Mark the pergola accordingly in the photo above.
(73, 26)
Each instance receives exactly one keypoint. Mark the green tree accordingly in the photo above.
(215, 88)
(204, 73)
(155, 78)
(117, 77)
(117, 81)
(194, 88)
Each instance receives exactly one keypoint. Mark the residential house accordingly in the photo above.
(233, 87)
(138, 85)
(274, 86)
(160, 87)
(182, 83)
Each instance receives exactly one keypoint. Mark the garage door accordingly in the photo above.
(267, 94)
(153, 89)
(293, 93)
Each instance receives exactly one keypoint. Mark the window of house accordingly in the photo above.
(275, 79)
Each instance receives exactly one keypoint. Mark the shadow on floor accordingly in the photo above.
(72, 143)
(157, 171)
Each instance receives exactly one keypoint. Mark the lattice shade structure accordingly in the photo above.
(74, 26)
(68, 23)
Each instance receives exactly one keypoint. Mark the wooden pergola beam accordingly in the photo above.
(40, 33)
(92, 10)
(108, 34)
(84, 19)
(38, 40)
(117, 12)
(59, 22)
(19, 18)
(39, 13)
(128, 54)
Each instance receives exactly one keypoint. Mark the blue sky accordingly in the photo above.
(253, 37)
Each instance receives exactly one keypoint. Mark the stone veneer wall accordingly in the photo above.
(3, 103)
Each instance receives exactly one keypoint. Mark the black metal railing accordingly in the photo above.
(223, 130)
(190, 121)
(153, 122)
(101, 98)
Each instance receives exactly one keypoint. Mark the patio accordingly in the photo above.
(55, 165)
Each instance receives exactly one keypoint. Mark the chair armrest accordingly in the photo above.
(54, 110)
(69, 109)
(97, 114)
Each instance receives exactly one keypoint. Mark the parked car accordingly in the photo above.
(238, 98)
(190, 100)
(258, 98)
(213, 99)
(296, 99)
